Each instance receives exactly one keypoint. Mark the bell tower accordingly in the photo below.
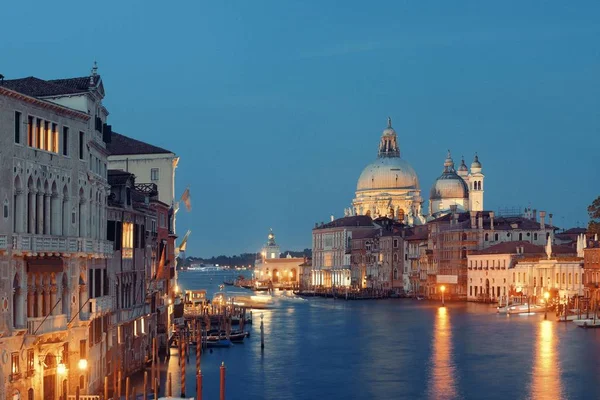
(475, 181)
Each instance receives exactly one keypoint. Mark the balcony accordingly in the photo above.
(100, 305)
(30, 243)
(3, 242)
(41, 325)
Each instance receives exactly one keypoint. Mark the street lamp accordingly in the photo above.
(443, 289)
(61, 369)
(82, 364)
(546, 297)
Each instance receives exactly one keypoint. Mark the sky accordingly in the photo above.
(275, 107)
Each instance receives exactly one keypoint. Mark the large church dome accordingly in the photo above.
(389, 171)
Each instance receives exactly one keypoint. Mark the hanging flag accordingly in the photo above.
(183, 244)
(187, 199)
(161, 263)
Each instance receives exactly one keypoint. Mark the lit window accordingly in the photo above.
(14, 364)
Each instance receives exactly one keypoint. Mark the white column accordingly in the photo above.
(47, 214)
(66, 216)
(40, 213)
(31, 214)
(19, 216)
(55, 212)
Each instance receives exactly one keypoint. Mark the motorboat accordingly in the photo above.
(525, 308)
(587, 323)
(257, 301)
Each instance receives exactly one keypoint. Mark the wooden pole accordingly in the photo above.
(133, 394)
(114, 377)
(169, 386)
(105, 387)
(182, 360)
(119, 384)
(198, 352)
(262, 333)
(153, 368)
(156, 389)
(77, 393)
(145, 391)
(127, 392)
(199, 386)
(222, 390)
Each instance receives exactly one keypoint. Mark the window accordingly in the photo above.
(81, 138)
(557, 278)
(576, 279)
(495, 236)
(395, 243)
(535, 236)
(15, 370)
(569, 278)
(487, 237)
(65, 141)
(30, 131)
(54, 141)
(520, 236)
(17, 127)
(395, 257)
(30, 362)
(154, 174)
(82, 349)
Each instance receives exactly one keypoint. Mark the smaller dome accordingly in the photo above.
(449, 186)
(463, 166)
(476, 163)
(389, 131)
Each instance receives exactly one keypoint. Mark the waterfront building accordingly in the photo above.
(305, 274)
(53, 252)
(332, 247)
(153, 165)
(132, 267)
(377, 256)
(416, 261)
(147, 162)
(273, 271)
(521, 268)
(591, 266)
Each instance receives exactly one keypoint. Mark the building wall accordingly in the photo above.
(141, 166)
(51, 234)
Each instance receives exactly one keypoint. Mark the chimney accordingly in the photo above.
(480, 216)
(550, 220)
(491, 220)
(542, 219)
(534, 215)
(473, 214)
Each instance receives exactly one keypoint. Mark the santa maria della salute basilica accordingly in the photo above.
(389, 187)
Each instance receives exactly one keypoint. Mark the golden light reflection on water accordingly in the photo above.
(545, 380)
(442, 375)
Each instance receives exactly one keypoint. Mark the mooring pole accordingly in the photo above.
(222, 391)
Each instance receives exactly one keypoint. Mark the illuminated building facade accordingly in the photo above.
(53, 248)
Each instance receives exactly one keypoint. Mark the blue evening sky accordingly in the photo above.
(276, 106)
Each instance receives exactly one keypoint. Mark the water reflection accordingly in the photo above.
(545, 381)
(443, 370)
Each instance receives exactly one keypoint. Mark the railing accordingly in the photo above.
(50, 243)
(3, 242)
(84, 397)
(100, 304)
(41, 325)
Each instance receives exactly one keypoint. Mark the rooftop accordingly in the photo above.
(124, 145)
(36, 87)
(528, 249)
(356, 220)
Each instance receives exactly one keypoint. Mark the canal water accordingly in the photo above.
(397, 349)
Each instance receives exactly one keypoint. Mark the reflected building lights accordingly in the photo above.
(545, 380)
(442, 374)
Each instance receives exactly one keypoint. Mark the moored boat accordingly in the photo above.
(587, 323)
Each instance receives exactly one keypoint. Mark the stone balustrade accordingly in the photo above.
(27, 242)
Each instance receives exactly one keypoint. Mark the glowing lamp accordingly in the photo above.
(546, 296)
(82, 364)
(443, 288)
(61, 369)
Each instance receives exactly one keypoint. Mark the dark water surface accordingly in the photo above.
(398, 349)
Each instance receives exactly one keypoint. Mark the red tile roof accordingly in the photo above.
(357, 220)
(528, 248)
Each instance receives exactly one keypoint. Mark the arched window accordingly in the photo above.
(495, 236)
(395, 273)
(395, 256)
(400, 214)
(487, 237)
(570, 278)
(30, 394)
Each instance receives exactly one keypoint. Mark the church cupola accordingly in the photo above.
(475, 165)
(271, 238)
(463, 171)
(388, 146)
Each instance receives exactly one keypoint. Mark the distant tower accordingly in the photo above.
(271, 249)
(476, 186)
